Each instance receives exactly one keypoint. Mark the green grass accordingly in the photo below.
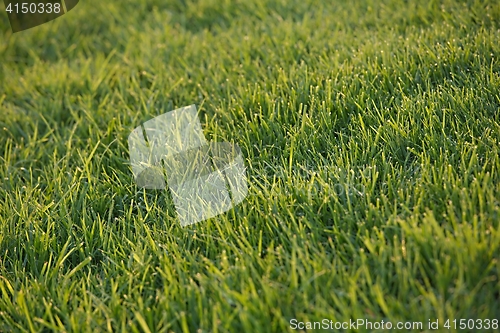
(371, 136)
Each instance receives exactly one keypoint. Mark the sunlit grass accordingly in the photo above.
(371, 134)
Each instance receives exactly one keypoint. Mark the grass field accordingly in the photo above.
(371, 136)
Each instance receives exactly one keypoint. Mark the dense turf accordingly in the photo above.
(371, 133)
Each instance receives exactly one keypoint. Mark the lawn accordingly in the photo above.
(370, 132)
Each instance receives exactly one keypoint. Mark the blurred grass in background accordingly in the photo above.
(398, 98)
